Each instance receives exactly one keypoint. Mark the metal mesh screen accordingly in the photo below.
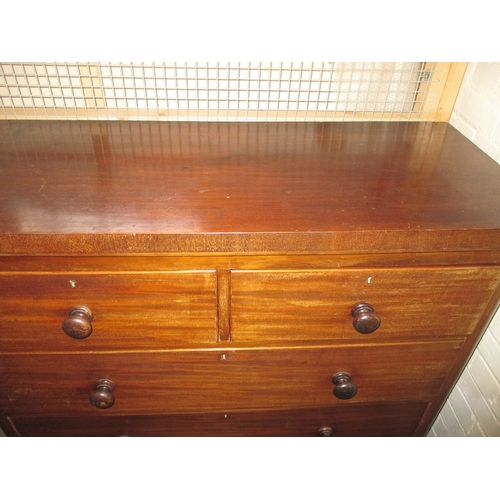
(218, 91)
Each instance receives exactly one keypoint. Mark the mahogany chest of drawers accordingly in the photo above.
(218, 279)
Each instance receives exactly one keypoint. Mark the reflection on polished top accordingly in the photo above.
(113, 187)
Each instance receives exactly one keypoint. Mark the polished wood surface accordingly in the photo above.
(317, 304)
(296, 279)
(383, 420)
(143, 187)
(130, 310)
(200, 380)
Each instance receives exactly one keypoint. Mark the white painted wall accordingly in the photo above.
(473, 408)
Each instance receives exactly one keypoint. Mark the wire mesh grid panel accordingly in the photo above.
(324, 91)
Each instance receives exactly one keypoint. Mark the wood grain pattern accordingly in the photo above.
(284, 261)
(224, 304)
(131, 310)
(145, 187)
(220, 263)
(272, 306)
(385, 420)
(223, 380)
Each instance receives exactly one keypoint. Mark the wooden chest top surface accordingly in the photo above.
(142, 187)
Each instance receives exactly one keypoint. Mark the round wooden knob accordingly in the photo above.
(78, 324)
(102, 397)
(344, 388)
(365, 318)
(325, 432)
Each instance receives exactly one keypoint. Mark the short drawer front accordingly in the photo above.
(130, 310)
(194, 381)
(269, 306)
(352, 420)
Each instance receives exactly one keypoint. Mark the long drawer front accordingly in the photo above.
(268, 306)
(386, 420)
(225, 380)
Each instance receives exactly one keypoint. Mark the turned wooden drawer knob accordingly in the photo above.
(325, 432)
(344, 388)
(78, 324)
(365, 318)
(102, 397)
